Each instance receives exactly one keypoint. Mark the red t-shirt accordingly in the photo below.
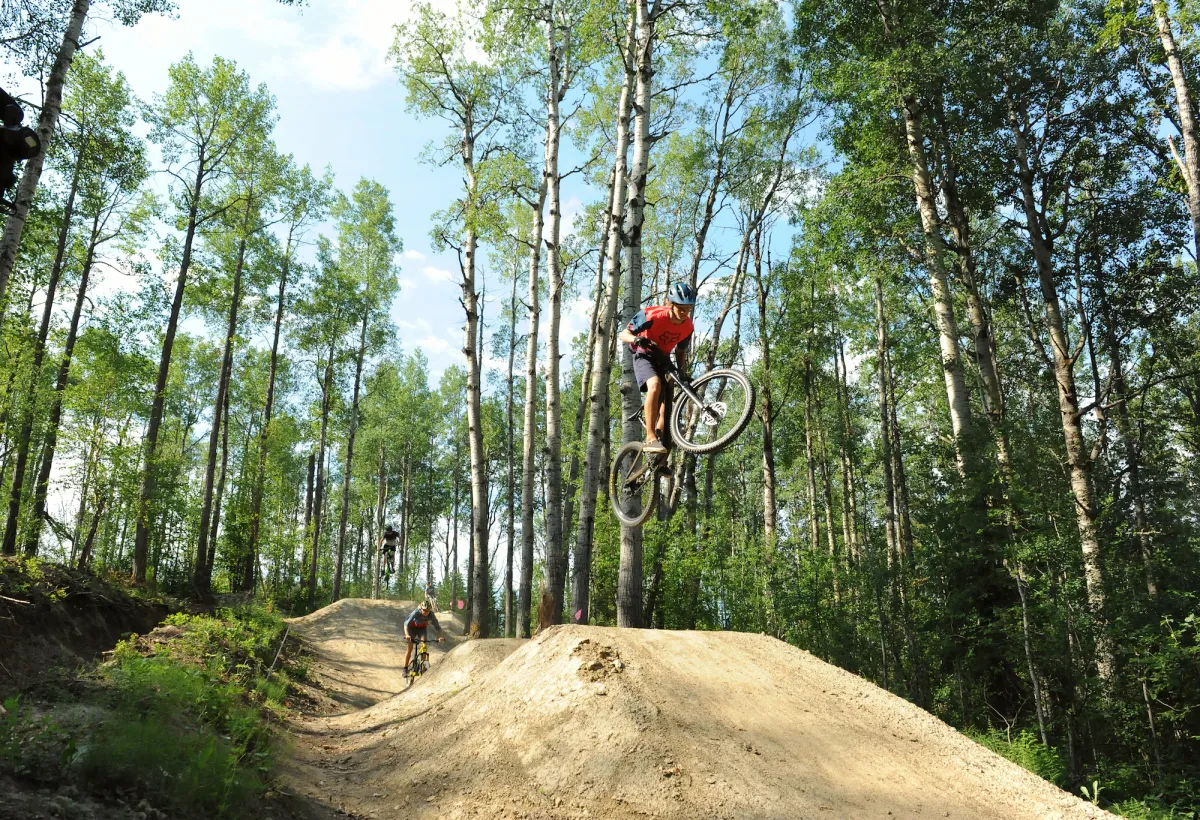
(654, 323)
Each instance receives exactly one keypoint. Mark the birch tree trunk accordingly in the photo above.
(220, 493)
(1078, 459)
(348, 467)
(556, 550)
(319, 484)
(480, 593)
(380, 517)
(939, 285)
(629, 579)
(529, 434)
(585, 382)
(767, 410)
(260, 472)
(31, 174)
(510, 626)
(981, 330)
(25, 434)
(42, 487)
(203, 579)
(1190, 162)
(849, 502)
(141, 537)
(810, 461)
(454, 548)
(598, 420)
(885, 437)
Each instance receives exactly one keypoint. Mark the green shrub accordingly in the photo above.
(183, 726)
(33, 746)
(1027, 751)
(1149, 809)
(189, 767)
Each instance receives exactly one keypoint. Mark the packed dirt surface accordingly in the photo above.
(595, 722)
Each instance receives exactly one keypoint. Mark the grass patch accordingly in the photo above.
(179, 718)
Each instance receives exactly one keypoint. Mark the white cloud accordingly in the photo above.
(407, 283)
(436, 346)
(436, 274)
(495, 365)
(335, 47)
(420, 324)
(415, 256)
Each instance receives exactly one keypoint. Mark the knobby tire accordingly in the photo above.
(679, 413)
(632, 452)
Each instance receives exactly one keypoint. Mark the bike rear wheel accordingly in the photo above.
(633, 485)
(728, 397)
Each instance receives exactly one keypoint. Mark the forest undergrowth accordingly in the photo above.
(174, 723)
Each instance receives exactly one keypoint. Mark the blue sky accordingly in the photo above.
(339, 103)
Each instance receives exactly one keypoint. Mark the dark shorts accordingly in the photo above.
(643, 368)
(419, 635)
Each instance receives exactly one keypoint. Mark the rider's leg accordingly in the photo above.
(652, 406)
(408, 654)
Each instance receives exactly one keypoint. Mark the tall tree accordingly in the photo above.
(303, 200)
(598, 390)
(367, 246)
(255, 178)
(128, 12)
(198, 123)
(111, 207)
(327, 310)
(473, 96)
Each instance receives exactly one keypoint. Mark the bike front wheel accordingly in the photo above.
(727, 398)
(633, 485)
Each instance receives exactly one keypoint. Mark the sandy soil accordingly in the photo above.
(594, 722)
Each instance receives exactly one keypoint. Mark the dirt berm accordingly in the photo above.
(596, 722)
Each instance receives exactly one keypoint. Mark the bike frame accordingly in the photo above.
(673, 383)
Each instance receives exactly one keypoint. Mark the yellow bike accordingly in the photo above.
(419, 664)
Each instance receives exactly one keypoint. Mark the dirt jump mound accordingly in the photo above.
(594, 722)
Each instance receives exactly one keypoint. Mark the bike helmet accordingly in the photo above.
(425, 605)
(681, 293)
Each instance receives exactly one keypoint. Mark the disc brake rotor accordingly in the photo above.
(714, 413)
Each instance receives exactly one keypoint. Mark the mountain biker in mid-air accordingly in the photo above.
(390, 540)
(656, 330)
(415, 629)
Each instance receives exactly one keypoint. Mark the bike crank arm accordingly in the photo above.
(632, 480)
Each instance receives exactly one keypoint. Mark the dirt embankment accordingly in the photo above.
(57, 618)
(593, 722)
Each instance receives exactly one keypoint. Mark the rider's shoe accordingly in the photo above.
(653, 448)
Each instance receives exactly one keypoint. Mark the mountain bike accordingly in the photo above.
(419, 664)
(385, 568)
(706, 416)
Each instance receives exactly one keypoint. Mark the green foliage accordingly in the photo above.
(32, 745)
(1151, 808)
(1027, 751)
(180, 721)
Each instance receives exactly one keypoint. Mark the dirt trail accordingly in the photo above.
(594, 722)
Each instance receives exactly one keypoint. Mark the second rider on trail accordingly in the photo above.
(657, 331)
(415, 629)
